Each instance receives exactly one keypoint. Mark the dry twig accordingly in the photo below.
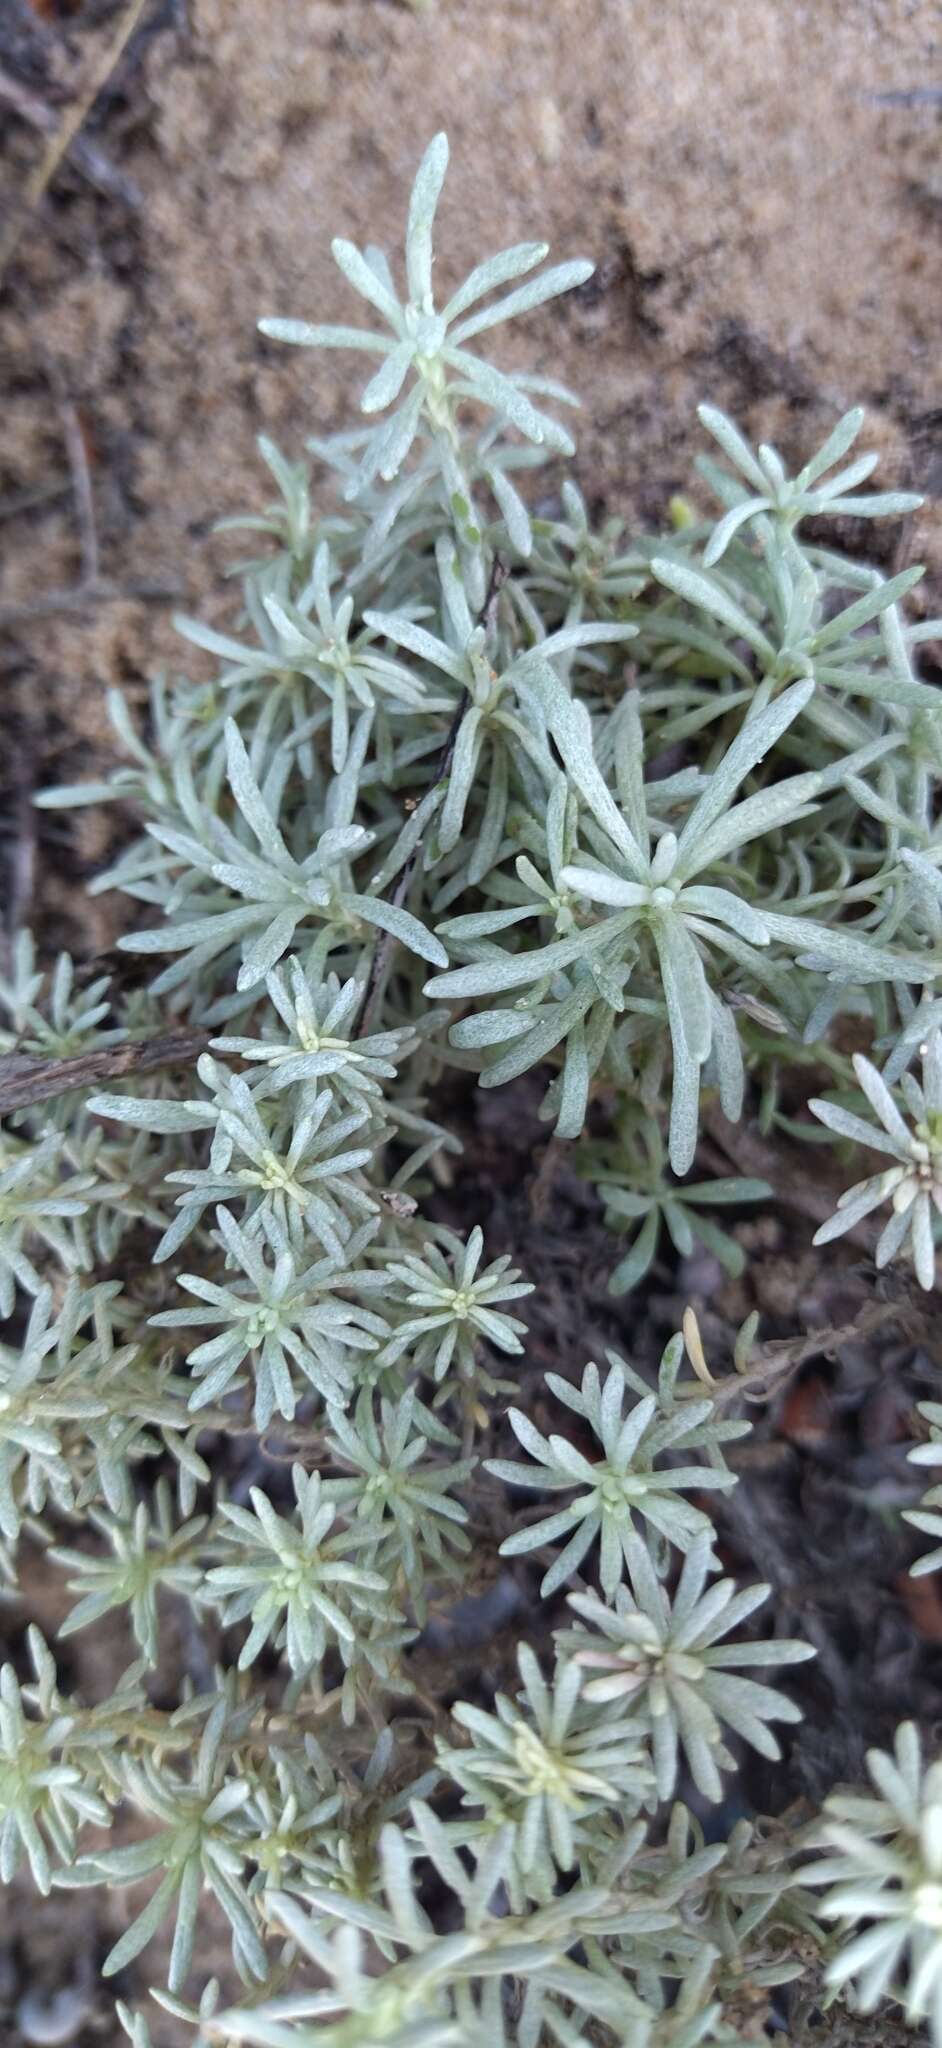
(30, 500)
(79, 472)
(769, 1365)
(62, 141)
(28, 1078)
(83, 597)
(85, 156)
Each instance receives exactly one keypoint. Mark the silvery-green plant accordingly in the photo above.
(425, 349)
(401, 1499)
(295, 1580)
(659, 813)
(52, 1014)
(149, 1553)
(39, 1203)
(314, 1037)
(927, 1517)
(44, 1799)
(665, 1658)
(298, 1330)
(544, 1764)
(200, 1842)
(666, 915)
(275, 892)
(627, 1481)
(783, 501)
(308, 639)
(639, 1197)
(883, 1867)
(913, 1186)
(453, 1305)
(441, 1990)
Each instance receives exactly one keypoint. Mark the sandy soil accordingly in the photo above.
(757, 183)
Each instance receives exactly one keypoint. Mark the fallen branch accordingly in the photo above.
(28, 1078)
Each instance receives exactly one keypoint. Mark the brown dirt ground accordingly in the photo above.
(758, 184)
